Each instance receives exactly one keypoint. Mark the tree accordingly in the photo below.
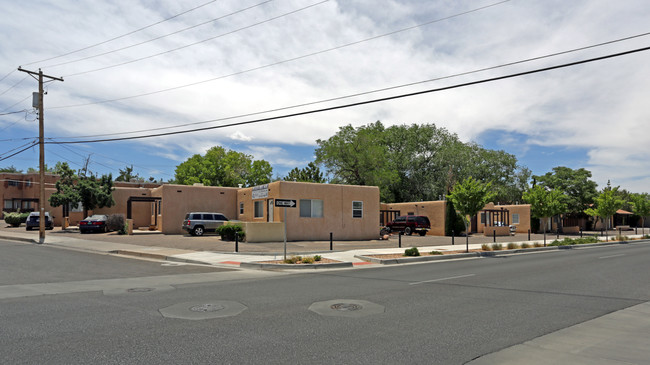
(221, 167)
(88, 190)
(127, 175)
(469, 197)
(641, 207)
(311, 173)
(545, 203)
(579, 189)
(606, 205)
(10, 169)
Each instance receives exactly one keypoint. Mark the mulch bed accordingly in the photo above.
(400, 255)
(322, 261)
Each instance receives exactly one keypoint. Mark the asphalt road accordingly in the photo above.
(432, 313)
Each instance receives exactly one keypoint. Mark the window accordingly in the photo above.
(311, 208)
(515, 218)
(28, 183)
(8, 204)
(482, 217)
(357, 209)
(76, 207)
(13, 183)
(241, 208)
(259, 209)
(208, 217)
(27, 204)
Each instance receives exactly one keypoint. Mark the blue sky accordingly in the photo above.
(144, 68)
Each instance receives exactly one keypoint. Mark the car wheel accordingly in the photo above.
(408, 231)
(198, 231)
(384, 231)
(28, 228)
(423, 233)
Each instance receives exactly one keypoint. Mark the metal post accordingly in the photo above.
(452, 237)
(236, 241)
(557, 231)
(331, 241)
(399, 244)
(285, 233)
(580, 232)
(466, 241)
(529, 234)
(544, 238)
(494, 235)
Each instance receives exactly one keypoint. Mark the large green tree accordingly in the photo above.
(222, 167)
(310, 173)
(545, 203)
(641, 206)
(577, 185)
(606, 205)
(128, 175)
(469, 197)
(90, 191)
(416, 162)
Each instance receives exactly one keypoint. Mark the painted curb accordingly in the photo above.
(261, 266)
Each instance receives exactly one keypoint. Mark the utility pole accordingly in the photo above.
(41, 150)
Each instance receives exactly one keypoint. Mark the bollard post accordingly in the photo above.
(331, 241)
(619, 233)
(452, 237)
(580, 232)
(494, 236)
(602, 233)
(557, 232)
(399, 241)
(636, 229)
(236, 242)
(529, 234)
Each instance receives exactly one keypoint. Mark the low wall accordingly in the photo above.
(262, 231)
(499, 231)
(571, 230)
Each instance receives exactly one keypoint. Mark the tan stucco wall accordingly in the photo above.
(263, 231)
(434, 210)
(140, 211)
(178, 200)
(337, 210)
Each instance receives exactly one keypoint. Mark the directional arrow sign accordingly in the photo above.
(286, 203)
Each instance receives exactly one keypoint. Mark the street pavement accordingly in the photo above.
(621, 337)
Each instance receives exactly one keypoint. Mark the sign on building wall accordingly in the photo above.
(260, 192)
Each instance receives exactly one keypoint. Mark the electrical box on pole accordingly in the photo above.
(36, 100)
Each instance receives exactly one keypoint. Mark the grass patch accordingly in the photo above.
(435, 253)
(497, 247)
(486, 247)
(526, 245)
(538, 244)
(512, 246)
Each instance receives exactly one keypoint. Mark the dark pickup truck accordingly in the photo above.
(409, 224)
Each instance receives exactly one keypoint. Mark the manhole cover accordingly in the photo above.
(345, 307)
(207, 308)
(139, 290)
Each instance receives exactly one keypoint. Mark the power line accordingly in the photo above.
(123, 35)
(157, 38)
(13, 149)
(13, 105)
(21, 151)
(14, 85)
(372, 91)
(283, 61)
(16, 112)
(314, 111)
(199, 42)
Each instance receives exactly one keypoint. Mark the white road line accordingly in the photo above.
(449, 278)
(609, 257)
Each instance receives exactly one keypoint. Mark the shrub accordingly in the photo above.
(538, 244)
(317, 257)
(229, 231)
(308, 260)
(486, 247)
(525, 245)
(574, 241)
(435, 253)
(497, 246)
(15, 219)
(124, 229)
(293, 260)
(413, 251)
(512, 246)
(115, 222)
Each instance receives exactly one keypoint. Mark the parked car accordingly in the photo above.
(94, 223)
(34, 220)
(409, 224)
(197, 223)
(513, 228)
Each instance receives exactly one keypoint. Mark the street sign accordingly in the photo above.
(285, 203)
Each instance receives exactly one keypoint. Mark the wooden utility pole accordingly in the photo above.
(41, 150)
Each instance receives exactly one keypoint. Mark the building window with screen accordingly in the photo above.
(357, 209)
(311, 208)
(241, 208)
(259, 209)
(515, 218)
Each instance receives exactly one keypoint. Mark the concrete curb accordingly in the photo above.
(157, 257)
(14, 238)
(406, 260)
(262, 266)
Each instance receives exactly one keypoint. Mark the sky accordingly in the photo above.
(144, 67)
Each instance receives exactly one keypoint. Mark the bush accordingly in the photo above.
(317, 258)
(124, 229)
(486, 247)
(435, 253)
(307, 260)
(293, 260)
(229, 231)
(497, 246)
(574, 241)
(413, 251)
(525, 245)
(115, 222)
(512, 246)
(537, 244)
(15, 219)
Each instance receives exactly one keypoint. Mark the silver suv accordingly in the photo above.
(197, 223)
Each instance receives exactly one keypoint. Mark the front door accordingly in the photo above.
(269, 217)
